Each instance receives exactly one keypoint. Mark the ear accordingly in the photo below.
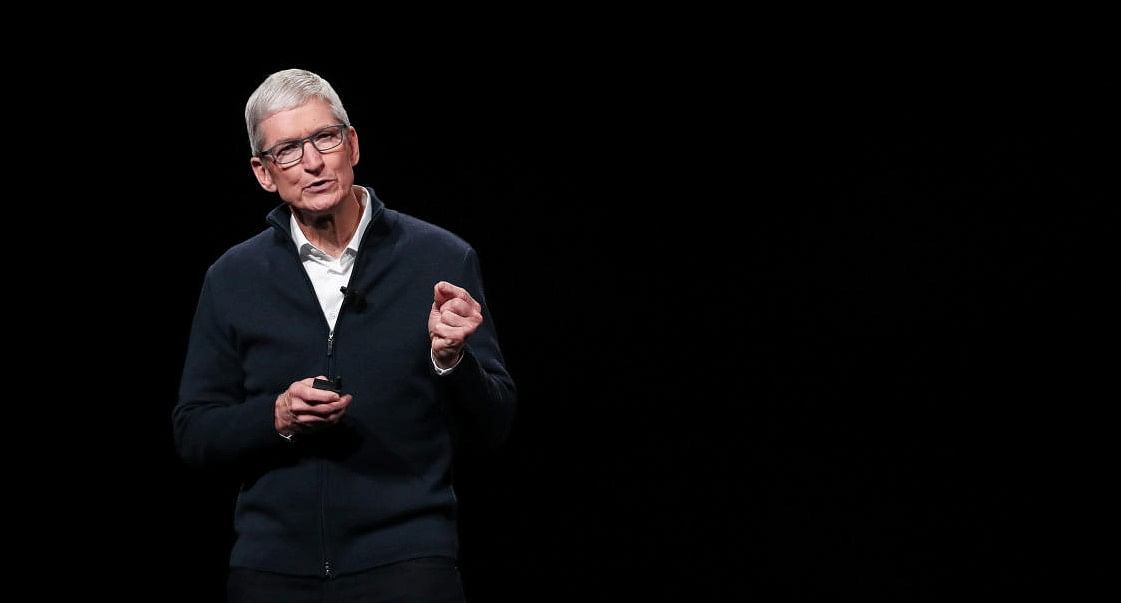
(353, 134)
(261, 171)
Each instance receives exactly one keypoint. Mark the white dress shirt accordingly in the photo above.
(329, 274)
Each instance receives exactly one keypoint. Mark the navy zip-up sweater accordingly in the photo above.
(376, 488)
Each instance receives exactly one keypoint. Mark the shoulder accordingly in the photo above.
(252, 254)
(416, 232)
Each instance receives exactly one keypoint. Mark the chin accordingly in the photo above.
(319, 203)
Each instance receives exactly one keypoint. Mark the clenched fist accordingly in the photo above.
(454, 317)
(302, 407)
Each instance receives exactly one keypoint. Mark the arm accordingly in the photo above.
(482, 393)
(214, 423)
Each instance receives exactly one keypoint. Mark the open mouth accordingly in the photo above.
(318, 185)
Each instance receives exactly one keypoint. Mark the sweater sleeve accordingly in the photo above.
(482, 392)
(215, 426)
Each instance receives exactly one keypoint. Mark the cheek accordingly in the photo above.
(288, 179)
(341, 163)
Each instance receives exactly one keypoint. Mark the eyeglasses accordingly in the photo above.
(291, 151)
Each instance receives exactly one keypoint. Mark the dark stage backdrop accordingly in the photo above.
(796, 334)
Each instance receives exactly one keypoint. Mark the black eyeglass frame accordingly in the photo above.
(270, 152)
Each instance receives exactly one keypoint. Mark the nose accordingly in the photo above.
(312, 159)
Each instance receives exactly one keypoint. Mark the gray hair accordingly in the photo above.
(286, 90)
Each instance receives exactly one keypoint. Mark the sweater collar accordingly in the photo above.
(281, 216)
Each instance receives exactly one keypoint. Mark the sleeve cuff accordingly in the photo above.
(444, 371)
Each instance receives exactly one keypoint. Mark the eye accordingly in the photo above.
(286, 151)
(327, 139)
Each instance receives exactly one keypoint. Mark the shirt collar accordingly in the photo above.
(305, 246)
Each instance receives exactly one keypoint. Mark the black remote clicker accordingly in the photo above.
(335, 385)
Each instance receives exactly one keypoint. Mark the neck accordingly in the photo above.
(332, 231)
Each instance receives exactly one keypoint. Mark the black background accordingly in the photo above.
(791, 330)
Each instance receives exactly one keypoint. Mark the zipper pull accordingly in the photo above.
(327, 569)
(330, 343)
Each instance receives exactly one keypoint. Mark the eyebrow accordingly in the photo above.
(287, 140)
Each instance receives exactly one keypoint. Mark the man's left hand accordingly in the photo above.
(454, 317)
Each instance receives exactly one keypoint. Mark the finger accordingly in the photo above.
(311, 396)
(464, 296)
(452, 319)
(284, 418)
(466, 325)
(443, 331)
(442, 292)
(445, 291)
(284, 410)
(305, 420)
(304, 391)
(442, 344)
(325, 409)
(336, 412)
(460, 306)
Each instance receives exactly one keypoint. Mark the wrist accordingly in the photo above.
(446, 362)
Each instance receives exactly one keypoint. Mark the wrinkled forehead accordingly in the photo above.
(297, 122)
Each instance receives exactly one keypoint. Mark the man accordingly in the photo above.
(332, 357)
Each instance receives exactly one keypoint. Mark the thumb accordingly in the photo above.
(442, 292)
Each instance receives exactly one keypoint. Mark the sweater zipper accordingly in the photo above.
(327, 572)
(331, 354)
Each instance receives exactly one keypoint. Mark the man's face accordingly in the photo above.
(320, 180)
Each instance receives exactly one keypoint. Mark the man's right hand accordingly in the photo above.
(301, 408)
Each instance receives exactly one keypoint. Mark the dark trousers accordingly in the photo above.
(424, 580)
